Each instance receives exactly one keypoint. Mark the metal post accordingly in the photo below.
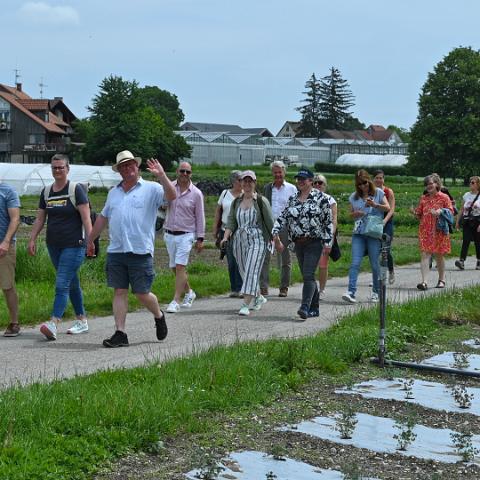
(383, 297)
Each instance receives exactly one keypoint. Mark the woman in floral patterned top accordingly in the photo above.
(308, 218)
(432, 240)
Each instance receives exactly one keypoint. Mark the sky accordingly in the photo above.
(242, 62)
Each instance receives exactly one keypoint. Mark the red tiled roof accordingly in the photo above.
(56, 120)
(35, 104)
(51, 127)
(13, 91)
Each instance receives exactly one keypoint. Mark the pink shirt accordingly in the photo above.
(186, 213)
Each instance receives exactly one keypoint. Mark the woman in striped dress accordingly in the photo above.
(250, 223)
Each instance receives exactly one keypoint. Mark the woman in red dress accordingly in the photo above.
(432, 241)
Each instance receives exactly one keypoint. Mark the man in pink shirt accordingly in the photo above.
(184, 228)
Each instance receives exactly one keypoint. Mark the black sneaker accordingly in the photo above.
(303, 312)
(118, 339)
(161, 326)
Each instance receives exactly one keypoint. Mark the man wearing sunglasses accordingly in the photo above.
(184, 227)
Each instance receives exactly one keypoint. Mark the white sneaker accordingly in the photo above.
(80, 326)
(188, 299)
(173, 307)
(391, 278)
(321, 295)
(349, 297)
(374, 297)
(49, 329)
(259, 302)
(244, 310)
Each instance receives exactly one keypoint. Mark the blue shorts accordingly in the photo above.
(130, 269)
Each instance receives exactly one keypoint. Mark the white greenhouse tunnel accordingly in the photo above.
(30, 178)
(359, 160)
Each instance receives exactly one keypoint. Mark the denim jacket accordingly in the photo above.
(445, 221)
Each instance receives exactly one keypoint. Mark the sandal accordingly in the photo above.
(440, 284)
(422, 286)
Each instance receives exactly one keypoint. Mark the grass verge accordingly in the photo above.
(70, 429)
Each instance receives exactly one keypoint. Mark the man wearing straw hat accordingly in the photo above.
(131, 211)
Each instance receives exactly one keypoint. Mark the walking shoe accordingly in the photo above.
(349, 297)
(460, 264)
(303, 312)
(374, 297)
(49, 329)
(283, 292)
(478, 265)
(313, 312)
(118, 339)
(259, 302)
(173, 307)
(12, 330)
(321, 295)
(264, 291)
(244, 310)
(80, 326)
(391, 277)
(188, 299)
(161, 327)
(236, 295)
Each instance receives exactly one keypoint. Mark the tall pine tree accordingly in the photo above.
(335, 101)
(310, 111)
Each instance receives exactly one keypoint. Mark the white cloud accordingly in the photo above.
(44, 14)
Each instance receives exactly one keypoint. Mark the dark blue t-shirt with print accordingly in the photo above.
(64, 224)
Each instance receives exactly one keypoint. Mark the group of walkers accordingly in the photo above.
(248, 227)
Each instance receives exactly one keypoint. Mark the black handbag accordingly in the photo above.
(335, 252)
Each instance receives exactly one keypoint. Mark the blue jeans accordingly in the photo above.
(308, 256)
(233, 272)
(67, 261)
(360, 244)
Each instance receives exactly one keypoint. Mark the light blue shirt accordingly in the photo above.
(359, 204)
(8, 199)
(131, 217)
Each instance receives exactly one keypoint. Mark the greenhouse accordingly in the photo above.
(250, 149)
(30, 178)
(358, 160)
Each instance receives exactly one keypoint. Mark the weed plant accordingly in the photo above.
(462, 441)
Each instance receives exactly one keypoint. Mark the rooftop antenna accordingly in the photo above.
(41, 85)
(17, 75)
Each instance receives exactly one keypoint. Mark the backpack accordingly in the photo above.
(73, 199)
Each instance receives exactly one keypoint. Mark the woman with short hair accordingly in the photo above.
(68, 225)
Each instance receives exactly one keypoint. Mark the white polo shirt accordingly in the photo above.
(280, 197)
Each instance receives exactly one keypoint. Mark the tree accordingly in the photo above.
(124, 116)
(446, 135)
(310, 121)
(335, 101)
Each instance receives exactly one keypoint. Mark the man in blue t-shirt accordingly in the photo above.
(9, 222)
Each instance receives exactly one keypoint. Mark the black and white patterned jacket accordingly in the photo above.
(312, 218)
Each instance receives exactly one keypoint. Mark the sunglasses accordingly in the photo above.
(472, 182)
(318, 182)
(186, 172)
(361, 184)
(58, 168)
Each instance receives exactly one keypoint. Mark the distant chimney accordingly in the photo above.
(19, 86)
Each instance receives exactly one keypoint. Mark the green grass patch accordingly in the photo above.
(70, 429)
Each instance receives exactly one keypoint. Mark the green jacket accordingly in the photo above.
(264, 215)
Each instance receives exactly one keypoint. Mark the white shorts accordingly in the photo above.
(178, 248)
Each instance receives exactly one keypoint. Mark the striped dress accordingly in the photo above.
(249, 249)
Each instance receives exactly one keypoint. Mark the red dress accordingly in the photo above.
(432, 240)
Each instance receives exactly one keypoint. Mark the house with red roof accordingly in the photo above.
(32, 129)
